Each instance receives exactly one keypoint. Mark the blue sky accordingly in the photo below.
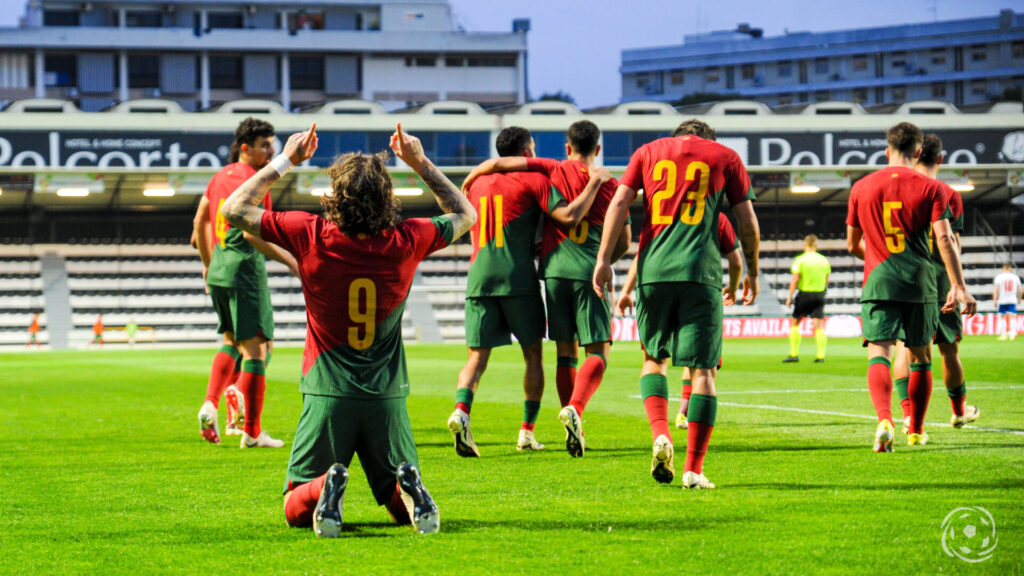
(576, 45)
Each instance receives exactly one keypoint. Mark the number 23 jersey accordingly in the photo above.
(895, 207)
(684, 180)
(355, 290)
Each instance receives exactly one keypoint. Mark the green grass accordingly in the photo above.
(104, 471)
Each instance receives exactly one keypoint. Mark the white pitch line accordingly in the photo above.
(864, 389)
(845, 415)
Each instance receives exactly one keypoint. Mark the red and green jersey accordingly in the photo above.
(355, 290)
(895, 207)
(685, 180)
(727, 241)
(572, 253)
(234, 262)
(508, 208)
(956, 222)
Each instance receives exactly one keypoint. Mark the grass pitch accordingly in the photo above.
(104, 471)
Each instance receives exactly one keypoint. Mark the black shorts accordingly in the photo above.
(809, 304)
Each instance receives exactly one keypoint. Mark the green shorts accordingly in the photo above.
(575, 312)
(243, 313)
(331, 429)
(682, 320)
(490, 320)
(951, 326)
(912, 322)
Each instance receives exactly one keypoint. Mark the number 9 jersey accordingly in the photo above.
(895, 207)
(355, 290)
(684, 179)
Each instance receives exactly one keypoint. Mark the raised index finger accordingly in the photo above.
(398, 127)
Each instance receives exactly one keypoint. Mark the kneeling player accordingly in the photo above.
(354, 379)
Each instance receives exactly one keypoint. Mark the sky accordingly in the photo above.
(575, 46)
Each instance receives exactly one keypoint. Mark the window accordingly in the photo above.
(979, 87)
(303, 20)
(1018, 50)
(143, 71)
(712, 75)
(860, 63)
(860, 95)
(491, 61)
(785, 69)
(747, 71)
(676, 77)
(899, 59)
(821, 96)
(306, 72)
(938, 90)
(61, 70)
(60, 18)
(619, 146)
(899, 93)
(821, 66)
(143, 19)
(420, 61)
(785, 100)
(979, 53)
(223, 20)
(454, 62)
(938, 55)
(226, 72)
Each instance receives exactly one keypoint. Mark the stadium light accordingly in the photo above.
(320, 191)
(408, 191)
(72, 192)
(1, 191)
(805, 189)
(963, 187)
(158, 192)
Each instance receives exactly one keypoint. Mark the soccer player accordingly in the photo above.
(810, 275)
(356, 266)
(502, 292)
(950, 328)
(730, 248)
(236, 277)
(685, 179)
(1006, 293)
(97, 330)
(576, 316)
(33, 331)
(887, 225)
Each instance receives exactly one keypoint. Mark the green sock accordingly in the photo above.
(958, 392)
(794, 341)
(653, 385)
(901, 388)
(530, 410)
(820, 339)
(703, 409)
(257, 367)
(464, 396)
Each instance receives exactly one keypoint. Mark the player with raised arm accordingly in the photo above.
(950, 327)
(576, 316)
(729, 245)
(502, 292)
(1007, 293)
(686, 179)
(356, 265)
(235, 272)
(890, 214)
(810, 275)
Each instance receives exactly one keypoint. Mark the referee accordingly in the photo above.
(810, 275)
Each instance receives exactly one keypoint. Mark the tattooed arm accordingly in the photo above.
(242, 208)
(455, 205)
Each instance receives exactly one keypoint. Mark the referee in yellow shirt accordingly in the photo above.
(810, 276)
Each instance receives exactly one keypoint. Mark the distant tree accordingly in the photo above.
(559, 96)
(702, 97)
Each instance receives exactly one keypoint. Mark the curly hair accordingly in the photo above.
(247, 132)
(363, 199)
(905, 138)
(695, 127)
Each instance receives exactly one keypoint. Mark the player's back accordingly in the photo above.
(234, 262)
(1007, 285)
(956, 222)
(895, 207)
(686, 181)
(572, 253)
(508, 208)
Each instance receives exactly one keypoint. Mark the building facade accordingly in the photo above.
(965, 62)
(202, 54)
